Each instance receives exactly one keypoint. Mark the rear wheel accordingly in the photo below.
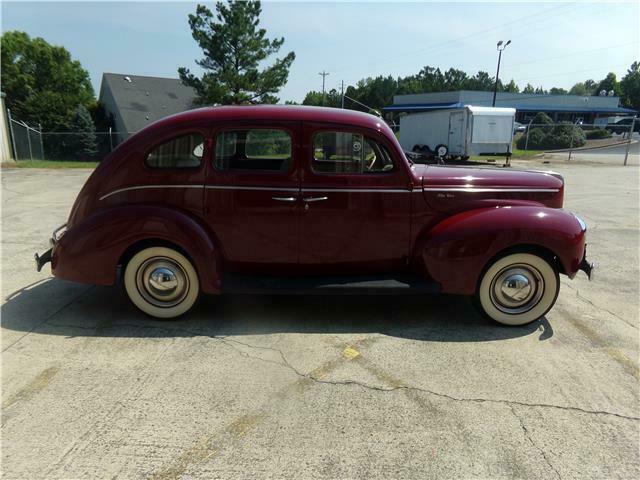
(442, 150)
(517, 289)
(161, 282)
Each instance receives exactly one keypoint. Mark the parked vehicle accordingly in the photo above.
(315, 200)
(623, 126)
(460, 132)
(519, 127)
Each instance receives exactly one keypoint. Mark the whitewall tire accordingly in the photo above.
(518, 289)
(161, 282)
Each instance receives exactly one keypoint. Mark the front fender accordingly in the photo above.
(456, 250)
(89, 251)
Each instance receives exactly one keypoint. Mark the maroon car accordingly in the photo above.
(314, 200)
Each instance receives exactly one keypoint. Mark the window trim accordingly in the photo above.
(365, 137)
(231, 171)
(174, 137)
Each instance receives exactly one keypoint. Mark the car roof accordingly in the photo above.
(273, 112)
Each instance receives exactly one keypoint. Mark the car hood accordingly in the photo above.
(450, 188)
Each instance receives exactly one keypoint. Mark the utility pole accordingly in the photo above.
(324, 74)
(495, 87)
(342, 94)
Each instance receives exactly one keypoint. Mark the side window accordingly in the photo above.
(180, 152)
(344, 152)
(254, 149)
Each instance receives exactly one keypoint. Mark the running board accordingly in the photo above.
(299, 285)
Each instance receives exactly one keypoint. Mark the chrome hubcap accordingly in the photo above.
(517, 289)
(162, 282)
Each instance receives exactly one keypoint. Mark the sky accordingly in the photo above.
(552, 43)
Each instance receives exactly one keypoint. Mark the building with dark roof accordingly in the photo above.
(570, 108)
(135, 101)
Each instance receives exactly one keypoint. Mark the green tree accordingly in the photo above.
(332, 98)
(580, 88)
(630, 87)
(82, 144)
(609, 83)
(234, 49)
(529, 89)
(42, 83)
(511, 87)
(558, 91)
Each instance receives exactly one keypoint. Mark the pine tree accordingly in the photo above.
(234, 47)
(82, 144)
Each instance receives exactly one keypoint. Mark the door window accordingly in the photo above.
(253, 149)
(345, 152)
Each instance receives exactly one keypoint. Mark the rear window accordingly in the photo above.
(184, 151)
(253, 149)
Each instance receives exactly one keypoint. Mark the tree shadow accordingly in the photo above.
(56, 307)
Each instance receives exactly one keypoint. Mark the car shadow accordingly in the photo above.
(56, 307)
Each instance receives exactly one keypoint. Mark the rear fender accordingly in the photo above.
(455, 251)
(90, 251)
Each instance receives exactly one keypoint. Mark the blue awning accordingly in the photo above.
(424, 107)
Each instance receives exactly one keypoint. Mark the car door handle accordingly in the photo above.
(314, 199)
(285, 199)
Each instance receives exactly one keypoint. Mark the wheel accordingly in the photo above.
(161, 282)
(517, 289)
(442, 150)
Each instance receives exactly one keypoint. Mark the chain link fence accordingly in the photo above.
(26, 140)
(590, 142)
(29, 142)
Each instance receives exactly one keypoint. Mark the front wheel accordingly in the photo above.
(161, 282)
(517, 289)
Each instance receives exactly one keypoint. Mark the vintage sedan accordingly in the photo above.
(285, 199)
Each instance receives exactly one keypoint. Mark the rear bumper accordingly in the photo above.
(46, 257)
(587, 266)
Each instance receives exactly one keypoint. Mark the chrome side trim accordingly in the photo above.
(268, 189)
(358, 190)
(486, 190)
(341, 190)
(146, 187)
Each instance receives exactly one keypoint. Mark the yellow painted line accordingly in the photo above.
(350, 353)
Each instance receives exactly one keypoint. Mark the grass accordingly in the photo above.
(50, 164)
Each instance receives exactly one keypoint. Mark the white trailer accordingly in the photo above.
(460, 132)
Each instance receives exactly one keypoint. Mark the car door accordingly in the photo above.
(355, 202)
(252, 194)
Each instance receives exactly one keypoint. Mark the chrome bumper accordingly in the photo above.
(586, 266)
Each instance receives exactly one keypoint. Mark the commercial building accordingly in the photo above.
(561, 108)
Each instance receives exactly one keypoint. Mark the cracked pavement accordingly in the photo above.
(322, 387)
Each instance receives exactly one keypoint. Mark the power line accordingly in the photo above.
(449, 43)
(324, 74)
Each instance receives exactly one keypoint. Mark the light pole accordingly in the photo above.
(500, 47)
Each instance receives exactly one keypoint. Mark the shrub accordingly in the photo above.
(536, 140)
(598, 133)
(565, 135)
(541, 119)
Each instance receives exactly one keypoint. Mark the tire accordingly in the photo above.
(441, 150)
(161, 282)
(499, 298)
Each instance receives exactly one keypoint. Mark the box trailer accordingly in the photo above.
(460, 132)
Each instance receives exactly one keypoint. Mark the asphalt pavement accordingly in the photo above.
(250, 387)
